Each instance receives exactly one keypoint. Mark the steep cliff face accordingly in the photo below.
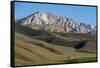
(51, 22)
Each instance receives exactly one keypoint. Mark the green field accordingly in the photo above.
(36, 47)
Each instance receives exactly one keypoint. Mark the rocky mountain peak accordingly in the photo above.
(52, 22)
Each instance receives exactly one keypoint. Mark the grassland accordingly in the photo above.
(36, 47)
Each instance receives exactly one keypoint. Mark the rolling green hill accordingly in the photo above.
(35, 47)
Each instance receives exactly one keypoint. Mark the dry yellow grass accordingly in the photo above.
(30, 51)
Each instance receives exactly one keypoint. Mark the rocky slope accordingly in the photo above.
(51, 22)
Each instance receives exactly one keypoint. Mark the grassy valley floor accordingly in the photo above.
(37, 47)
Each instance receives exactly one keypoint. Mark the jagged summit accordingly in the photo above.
(52, 22)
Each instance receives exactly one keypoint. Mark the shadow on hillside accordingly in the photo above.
(81, 44)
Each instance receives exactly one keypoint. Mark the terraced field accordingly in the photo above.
(37, 47)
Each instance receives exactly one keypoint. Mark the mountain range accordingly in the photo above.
(45, 38)
(54, 23)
